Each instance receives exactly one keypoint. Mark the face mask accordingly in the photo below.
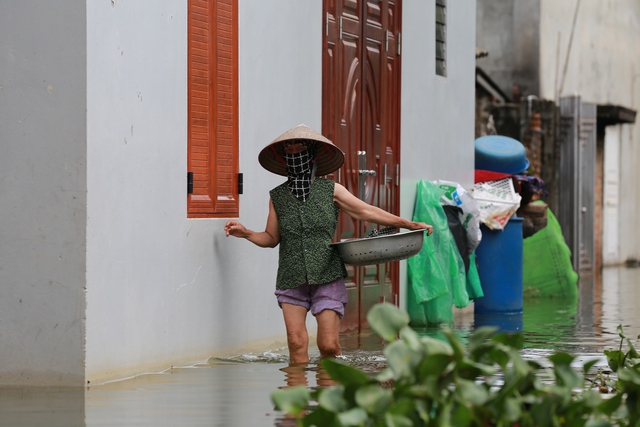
(300, 172)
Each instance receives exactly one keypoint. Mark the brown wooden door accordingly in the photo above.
(361, 114)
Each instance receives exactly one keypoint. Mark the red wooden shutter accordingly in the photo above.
(212, 153)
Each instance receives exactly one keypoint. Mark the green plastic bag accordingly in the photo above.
(547, 271)
(474, 288)
(437, 279)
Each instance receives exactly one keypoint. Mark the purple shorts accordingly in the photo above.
(328, 296)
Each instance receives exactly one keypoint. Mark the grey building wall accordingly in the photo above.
(534, 45)
(42, 192)
(603, 67)
(526, 22)
(508, 31)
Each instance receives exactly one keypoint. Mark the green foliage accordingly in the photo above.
(442, 383)
(292, 401)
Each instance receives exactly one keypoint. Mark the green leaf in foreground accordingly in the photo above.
(401, 360)
(353, 417)
(442, 383)
(373, 398)
(291, 400)
(345, 374)
(332, 399)
(614, 359)
(387, 320)
(397, 421)
(472, 392)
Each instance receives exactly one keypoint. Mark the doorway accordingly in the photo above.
(361, 115)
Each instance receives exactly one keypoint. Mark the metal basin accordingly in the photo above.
(381, 249)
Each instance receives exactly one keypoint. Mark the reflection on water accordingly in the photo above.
(235, 391)
(296, 374)
(26, 406)
(219, 393)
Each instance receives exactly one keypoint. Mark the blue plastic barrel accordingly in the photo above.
(499, 258)
(505, 322)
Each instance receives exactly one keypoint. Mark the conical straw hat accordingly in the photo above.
(328, 159)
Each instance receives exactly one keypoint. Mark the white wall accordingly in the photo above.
(437, 112)
(611, 201)
(94, 124)
(603, 67)
(163, 288)
(42, 188)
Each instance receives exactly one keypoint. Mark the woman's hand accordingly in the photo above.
(234, 228)
(269, 238)
(421, 226)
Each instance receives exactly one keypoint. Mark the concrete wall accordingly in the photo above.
(526, 22)
(163, 288)
(437, 112)
(528, 45)
(508, 30)
(494, 33)
(174, 288)
(93, 124)
(43, 192)
(611, 202)
(603, 67)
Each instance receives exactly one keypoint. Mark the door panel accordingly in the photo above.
(374, 280)
(361, 115)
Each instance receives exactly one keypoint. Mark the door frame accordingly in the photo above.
(340, 19)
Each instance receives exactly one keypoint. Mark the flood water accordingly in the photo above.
(235, 391)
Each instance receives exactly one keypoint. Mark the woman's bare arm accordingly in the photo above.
(357, 209)
(269, 238)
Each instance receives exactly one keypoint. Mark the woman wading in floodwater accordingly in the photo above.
(303, 216)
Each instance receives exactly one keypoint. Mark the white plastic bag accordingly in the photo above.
(455, 195)
(498, 201)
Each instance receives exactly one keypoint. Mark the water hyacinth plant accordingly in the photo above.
(442, 383)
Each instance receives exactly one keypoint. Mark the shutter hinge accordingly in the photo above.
(189, 182)
(340, 29)
(399, 48)
(240, 183)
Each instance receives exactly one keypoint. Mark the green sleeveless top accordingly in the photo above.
(306, 231)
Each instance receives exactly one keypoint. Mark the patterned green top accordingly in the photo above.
(306, 232)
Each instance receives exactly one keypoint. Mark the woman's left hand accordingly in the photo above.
(421, 226)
